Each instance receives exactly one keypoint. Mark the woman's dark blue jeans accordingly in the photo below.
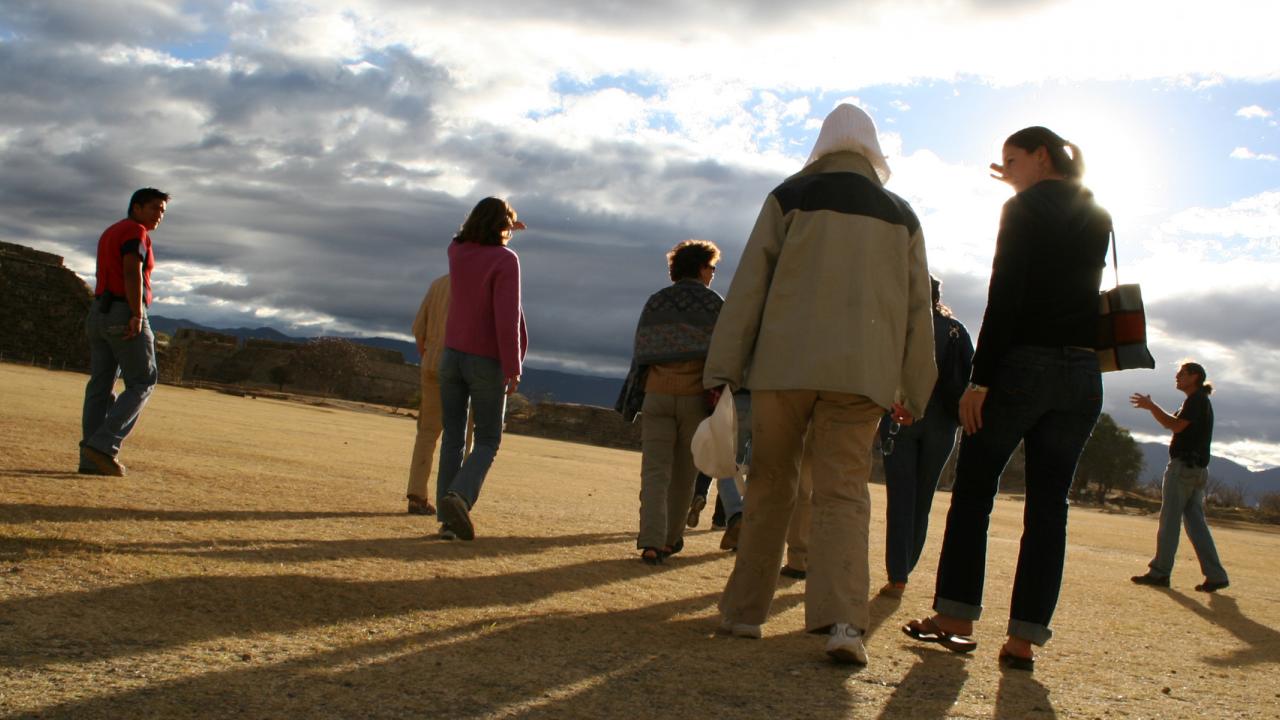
(913, 459)
(1048, 398)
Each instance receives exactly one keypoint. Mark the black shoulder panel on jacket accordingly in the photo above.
(848, 193)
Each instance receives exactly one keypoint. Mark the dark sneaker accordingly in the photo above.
(420, 506)
(729, 541)
(695, 509)
(102, 463)
(1152, 580)
(456, 517)
(1209, 587)
(789, 572)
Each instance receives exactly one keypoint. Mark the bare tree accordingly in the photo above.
(1223, 494)
(1269, 506)
(330, 363)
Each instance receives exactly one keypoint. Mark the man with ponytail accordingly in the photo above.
(1182, 493)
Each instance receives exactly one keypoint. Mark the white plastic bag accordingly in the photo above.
(715, 442)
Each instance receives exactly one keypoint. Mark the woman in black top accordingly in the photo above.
(1035, 380)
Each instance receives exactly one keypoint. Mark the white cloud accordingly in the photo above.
(1253, 111)
(899, 105)
(1244, 153)
(1255, 218)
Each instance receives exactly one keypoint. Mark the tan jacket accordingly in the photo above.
(831, 293)
(428, 326)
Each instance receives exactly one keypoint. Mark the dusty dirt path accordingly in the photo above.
(257, 563)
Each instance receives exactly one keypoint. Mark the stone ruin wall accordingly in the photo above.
(575, 423)
(198, 355)
(42, 309)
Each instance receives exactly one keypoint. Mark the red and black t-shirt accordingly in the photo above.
(124, 238)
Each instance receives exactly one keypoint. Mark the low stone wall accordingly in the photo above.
(42, 309)
(575, 423)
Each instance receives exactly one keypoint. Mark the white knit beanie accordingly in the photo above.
(849, 128)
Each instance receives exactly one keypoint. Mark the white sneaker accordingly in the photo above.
(845, 644)
(742, 630)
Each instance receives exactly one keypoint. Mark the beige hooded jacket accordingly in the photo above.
(832, 291)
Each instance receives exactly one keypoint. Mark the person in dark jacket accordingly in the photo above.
(1035, 380)
(915, 454)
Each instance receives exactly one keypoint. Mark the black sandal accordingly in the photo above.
(651, 556)
(927, 630)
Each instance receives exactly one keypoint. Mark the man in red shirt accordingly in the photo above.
(120, 340)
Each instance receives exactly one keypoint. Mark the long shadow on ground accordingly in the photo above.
(171, 612)
(18, 513)
(302, 550)
(930, 688)
(654, 661)
(1262, 643)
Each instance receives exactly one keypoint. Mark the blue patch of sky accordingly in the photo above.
(665, 121)
(632, 83)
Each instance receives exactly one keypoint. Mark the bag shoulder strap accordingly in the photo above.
(1115, 264)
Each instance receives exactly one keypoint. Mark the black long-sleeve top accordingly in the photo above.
(1050, 255)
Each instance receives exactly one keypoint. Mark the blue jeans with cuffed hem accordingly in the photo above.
(107, 419)
(911, 470)
(1049, 399)
(477, 382)
(1182, 496)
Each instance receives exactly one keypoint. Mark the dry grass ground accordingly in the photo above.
(257, 563)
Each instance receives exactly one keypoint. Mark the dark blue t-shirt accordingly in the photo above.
(1192, 445)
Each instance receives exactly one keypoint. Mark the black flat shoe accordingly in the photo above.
(1152, 580)
(1209, 587)
(1016, 662)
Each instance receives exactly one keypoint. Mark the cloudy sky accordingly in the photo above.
(321, 154)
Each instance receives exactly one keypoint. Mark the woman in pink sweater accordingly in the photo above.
(485, 341)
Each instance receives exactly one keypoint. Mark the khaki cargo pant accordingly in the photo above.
(429, 428)
(837, 588)
(667, 473)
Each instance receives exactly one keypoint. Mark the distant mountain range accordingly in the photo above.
(1255, 484)
(536, 384)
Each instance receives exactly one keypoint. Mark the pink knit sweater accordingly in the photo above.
(485, 316)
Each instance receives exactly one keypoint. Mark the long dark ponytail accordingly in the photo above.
(1069, 165)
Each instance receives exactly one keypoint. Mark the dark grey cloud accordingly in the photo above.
(1229, 317)
(1240, 411)
(101, 23)
(307, 179)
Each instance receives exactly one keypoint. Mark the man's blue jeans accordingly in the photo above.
(1049, 399)
(475, 381)
(107, 419)
(1183, 500)
(911, 469)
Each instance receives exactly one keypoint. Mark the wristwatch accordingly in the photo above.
(976, 387)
